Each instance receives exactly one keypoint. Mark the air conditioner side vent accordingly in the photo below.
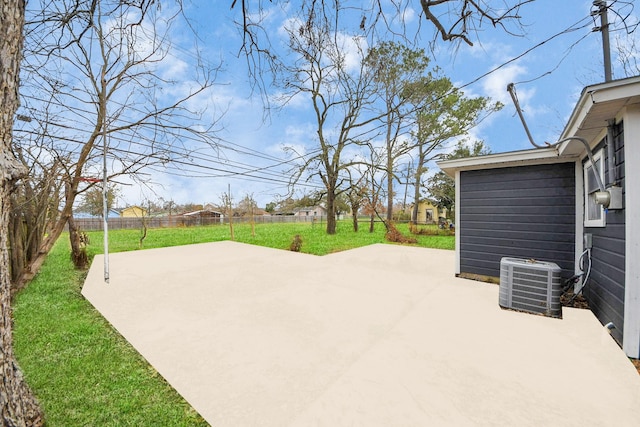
(531, 286)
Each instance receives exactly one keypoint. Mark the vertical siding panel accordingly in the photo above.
(605, 288)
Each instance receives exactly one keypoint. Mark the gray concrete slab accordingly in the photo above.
(377, 336)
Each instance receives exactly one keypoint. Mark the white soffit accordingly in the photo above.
(597, 105)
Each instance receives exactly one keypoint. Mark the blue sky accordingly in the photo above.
(549, 79)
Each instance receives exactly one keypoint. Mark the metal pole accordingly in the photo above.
(512, 91)
(604, 28)
(105, 206)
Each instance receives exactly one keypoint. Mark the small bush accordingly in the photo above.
(296, 244)
(430, 230)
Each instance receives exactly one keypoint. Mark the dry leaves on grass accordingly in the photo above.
(395, 236)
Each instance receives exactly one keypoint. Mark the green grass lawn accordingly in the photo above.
(84, 373)
(314, 237)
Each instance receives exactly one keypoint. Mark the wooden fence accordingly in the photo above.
(94, 224)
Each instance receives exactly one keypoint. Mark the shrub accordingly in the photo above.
(296, 244)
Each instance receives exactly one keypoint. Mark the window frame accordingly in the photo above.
(598, 157)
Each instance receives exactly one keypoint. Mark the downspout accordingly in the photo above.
(611, 164)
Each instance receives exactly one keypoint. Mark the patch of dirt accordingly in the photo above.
(568, 300)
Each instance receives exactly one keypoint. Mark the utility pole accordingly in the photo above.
(105, 176)
(604, 28)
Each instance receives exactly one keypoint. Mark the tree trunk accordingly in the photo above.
(389, 148)
(18, 406)
(30, 213)
(78, 250)
(414, 210)
(416, 197)
(37, 261)
(355, 220)
(45, 247)
(143, 232)
(417, 181)
(331, 212)
(52, 235)
(389, 191)
(16, 252)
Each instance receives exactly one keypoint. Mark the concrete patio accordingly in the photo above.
(377, 336)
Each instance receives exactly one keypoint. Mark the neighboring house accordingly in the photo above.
(540, 204)
(113, 213)
(428, 213)
(260, 212)
(310, 211)
(204, 216)
(133, 212)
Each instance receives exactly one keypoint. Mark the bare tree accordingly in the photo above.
(227, 203)
(456, 20)
(628, 53)
(374, 175)
(339, 88)
(248, 207)
(452, 20)
(102, 62)
(356, 195)
(34, 203)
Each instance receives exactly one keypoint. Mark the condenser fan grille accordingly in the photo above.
(532, 286)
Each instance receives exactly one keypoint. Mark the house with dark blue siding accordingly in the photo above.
(547, 204)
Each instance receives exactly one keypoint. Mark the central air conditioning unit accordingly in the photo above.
(531, 286)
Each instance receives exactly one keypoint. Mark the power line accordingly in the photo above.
(246, 169)
(552, 70)
(243, 169)
(194, 170)
(529, 50)
(260, 173)
(235, 147)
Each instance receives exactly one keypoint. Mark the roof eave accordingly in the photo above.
(513, 158)
(597, 105)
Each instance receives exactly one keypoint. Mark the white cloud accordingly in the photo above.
(353, 49)
(299, 137)
(495, 85)
(408, 15)
(174, 68)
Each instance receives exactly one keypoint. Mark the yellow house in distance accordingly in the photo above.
(133, 212)
(428, 213)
